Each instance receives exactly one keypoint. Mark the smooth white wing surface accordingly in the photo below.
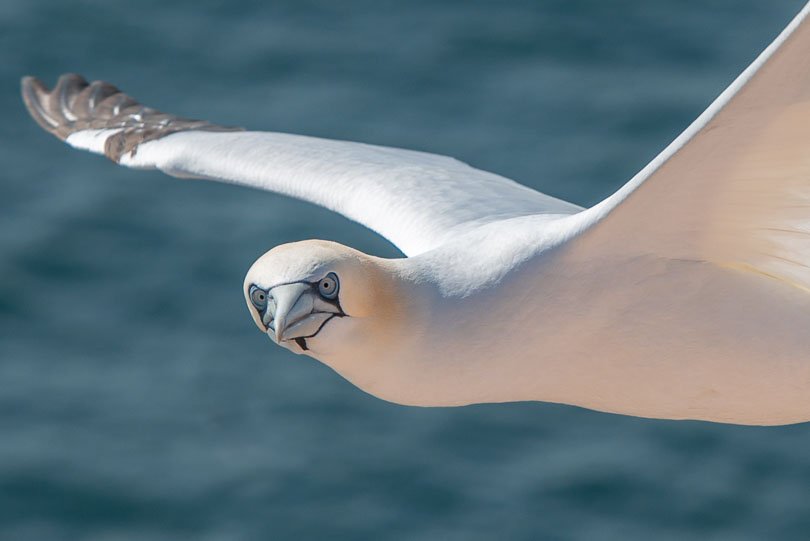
(734, 189)
(414, 199)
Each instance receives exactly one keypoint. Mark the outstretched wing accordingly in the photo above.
(414, 199)
(734, 189)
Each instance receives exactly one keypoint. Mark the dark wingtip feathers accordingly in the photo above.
(74, 105)
(35, 96)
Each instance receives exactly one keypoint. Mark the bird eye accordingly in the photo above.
(258, 297)
(328, 287)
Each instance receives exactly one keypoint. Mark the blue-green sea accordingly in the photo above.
(137, 399)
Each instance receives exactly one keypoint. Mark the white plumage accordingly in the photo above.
(686, 294)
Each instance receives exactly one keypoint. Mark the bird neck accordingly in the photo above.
(450, 338)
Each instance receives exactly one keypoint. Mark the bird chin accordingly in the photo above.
(292, 344)
(299, 346)
(297, 336)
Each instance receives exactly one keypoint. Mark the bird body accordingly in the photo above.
(671, 339)
(684, 295)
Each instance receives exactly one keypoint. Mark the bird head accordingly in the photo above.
(321, 298)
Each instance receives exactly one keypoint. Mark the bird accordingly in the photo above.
(683, 295)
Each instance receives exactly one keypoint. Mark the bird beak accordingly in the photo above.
(295, 312)
(291, 305)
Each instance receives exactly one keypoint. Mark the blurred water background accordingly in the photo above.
(137, 400)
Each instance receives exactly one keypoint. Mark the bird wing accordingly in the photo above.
(414, 199)
(732, 190)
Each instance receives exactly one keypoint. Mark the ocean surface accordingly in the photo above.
(137, 399)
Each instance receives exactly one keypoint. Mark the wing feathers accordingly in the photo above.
(74, 105)
(727, 189)
(416, 200)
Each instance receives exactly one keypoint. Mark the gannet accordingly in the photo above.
(684, 295)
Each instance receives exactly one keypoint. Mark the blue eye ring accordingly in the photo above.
(329, 286)
(258, 297)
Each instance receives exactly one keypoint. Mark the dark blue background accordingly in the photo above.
(137, 400)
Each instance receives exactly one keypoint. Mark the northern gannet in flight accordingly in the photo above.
(684, 295)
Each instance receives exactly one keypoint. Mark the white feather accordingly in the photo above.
(92, 140)
(416, 200)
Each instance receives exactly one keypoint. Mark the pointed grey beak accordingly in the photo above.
(293, 302)
(294, 313)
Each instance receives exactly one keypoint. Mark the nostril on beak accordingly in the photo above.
(268, 315)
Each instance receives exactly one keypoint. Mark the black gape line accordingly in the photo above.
(327, 287)
(302, 340)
